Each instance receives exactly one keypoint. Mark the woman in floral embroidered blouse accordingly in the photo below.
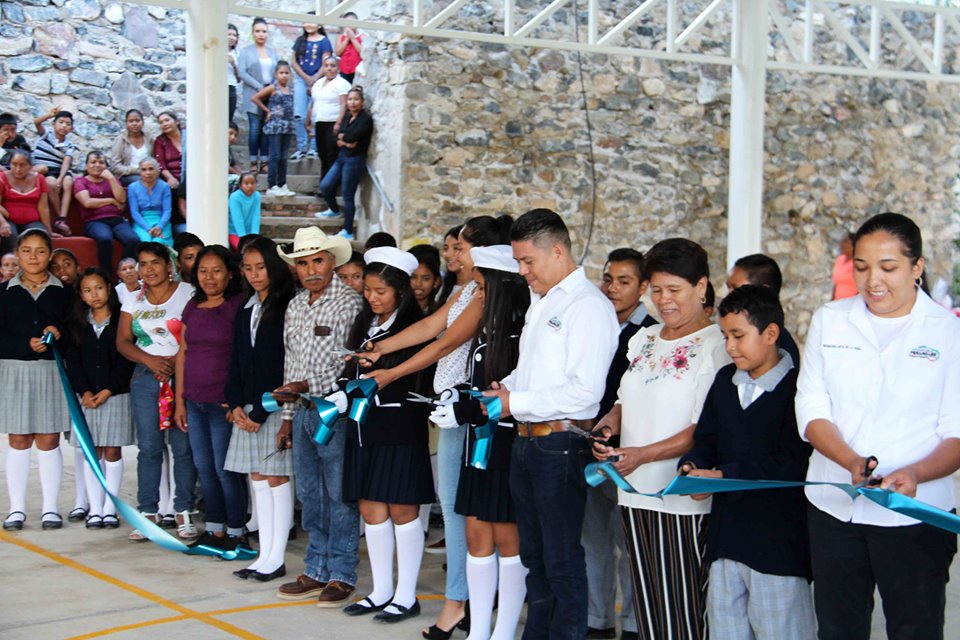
(672, 366)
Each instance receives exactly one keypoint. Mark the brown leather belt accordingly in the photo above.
(543, 429)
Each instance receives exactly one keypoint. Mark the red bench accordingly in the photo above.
(83, 247)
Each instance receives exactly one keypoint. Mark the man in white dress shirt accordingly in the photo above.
(566, 347)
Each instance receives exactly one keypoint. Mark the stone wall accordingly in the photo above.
(494, 130)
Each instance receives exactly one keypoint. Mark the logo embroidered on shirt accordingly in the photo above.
(928, 353)
(554, 323)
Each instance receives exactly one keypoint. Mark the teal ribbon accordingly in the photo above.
(597, 473)
(136, 519)
(326, 410)
(483, 435)
(362, 392)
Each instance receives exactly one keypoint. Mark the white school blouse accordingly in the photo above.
(897, 402)
(568, 340)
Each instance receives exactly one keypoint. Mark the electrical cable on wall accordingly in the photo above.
(586, 115)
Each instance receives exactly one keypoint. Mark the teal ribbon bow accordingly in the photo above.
(362, 392)
(597, 473)
(483, 441)
(81, 431)
(326, 411)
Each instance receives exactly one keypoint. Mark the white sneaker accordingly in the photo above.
(285, 191)
(326, 213)
(312, 154)
(274, 191)
(296, 155)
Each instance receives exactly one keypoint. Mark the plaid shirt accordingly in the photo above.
(310, 356)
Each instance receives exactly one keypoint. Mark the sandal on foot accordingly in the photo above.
(51, 523)
(138, 536)
(111, 521)
(78, 514)
(94, 521)
(17, 523)
(186, 530)
(167, 521)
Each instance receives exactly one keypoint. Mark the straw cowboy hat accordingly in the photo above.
(311, 240)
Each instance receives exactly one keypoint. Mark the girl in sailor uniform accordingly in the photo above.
(483, 495)
(387, 458)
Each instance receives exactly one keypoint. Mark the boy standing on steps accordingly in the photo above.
(757, 540)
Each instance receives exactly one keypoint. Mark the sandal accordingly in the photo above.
(138, 536)
(94, 521)
(14, 525)
(51, 524)
(111, 521)
(60, 226)
(167, 521)
(186, 530)
(77, 515)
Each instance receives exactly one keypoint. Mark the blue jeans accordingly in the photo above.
(548, 489)
(224, 492)
(449, 460)
(144, 393)
(278, 143)
(301, 96)
(256, 141)
(603, 524)
(345, 173)
(104, 231)
(333, 526)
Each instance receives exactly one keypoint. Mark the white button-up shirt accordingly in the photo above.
(568, 340)
(897, 403)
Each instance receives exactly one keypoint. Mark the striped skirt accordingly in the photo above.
(111, 424)
(247, 450)
(669, 576)
(31, 398)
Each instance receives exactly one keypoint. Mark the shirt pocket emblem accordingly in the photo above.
(554, 323)
(925, 353)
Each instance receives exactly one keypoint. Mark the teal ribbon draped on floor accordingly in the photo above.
(597, 473)
(326, 410)
(483, 442)
(136, 519)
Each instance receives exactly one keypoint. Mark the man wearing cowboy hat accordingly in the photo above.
(316, 325)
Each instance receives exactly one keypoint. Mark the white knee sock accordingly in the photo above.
(114, 475)
(51, 473)
(94, 489)
(165, 506)
(282, 499)
(513, 589)
(409, 554)
(264, 502)
(253, 524)
(482, 586)
(18, 472)
(380, 538)
(79, 464)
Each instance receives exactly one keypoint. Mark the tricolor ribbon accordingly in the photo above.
(597, 473)
(326, 410)
(149, 529)
(483, 443)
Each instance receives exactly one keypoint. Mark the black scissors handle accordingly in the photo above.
(867, 480)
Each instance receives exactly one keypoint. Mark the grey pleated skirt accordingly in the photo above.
(111, 424)
(31, 398)
(247, 451)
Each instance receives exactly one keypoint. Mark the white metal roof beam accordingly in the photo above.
(783, 28)
(445, 13)
(627, 22)
(909, 40)
(536, 20)
(844, 34)
(697, 23)
(339, 9)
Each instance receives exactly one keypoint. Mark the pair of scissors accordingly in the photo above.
(285, 446)
(868, 480)
(436, 400)
(343, 352)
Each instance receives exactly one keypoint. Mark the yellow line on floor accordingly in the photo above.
(186, 612)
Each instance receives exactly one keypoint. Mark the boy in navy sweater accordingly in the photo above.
(756, 540)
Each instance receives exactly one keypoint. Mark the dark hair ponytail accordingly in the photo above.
(505, 301)
(486, 231)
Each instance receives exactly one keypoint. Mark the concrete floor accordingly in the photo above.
(74, 583)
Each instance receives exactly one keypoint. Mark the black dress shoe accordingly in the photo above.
(243, 574)
(14, 525)
(629, 635)
(79, 514)
(267, 577)
(363, 607)
(51, 524)
(609, 632)
(402, 613)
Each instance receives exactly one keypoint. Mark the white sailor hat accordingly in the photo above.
(498, 256)
(403, 260)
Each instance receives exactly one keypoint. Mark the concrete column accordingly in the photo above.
(207, 120)
(748, 99)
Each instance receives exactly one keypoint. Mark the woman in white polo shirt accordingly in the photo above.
(880, 377)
